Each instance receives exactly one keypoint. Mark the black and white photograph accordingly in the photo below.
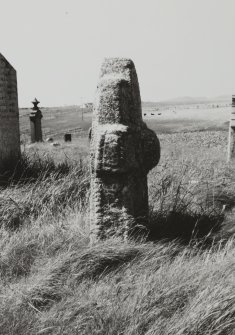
(117, 167)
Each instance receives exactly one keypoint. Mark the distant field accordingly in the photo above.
(57, 121)
(187, 118)
(162, 119)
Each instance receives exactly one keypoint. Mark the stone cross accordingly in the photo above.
(122, 152)
(35, 122)
(231, 135)
(9, 116)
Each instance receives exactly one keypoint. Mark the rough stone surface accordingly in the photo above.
(9, 116)
(123, 150)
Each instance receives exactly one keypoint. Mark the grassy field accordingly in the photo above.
(177, 280)
(161, 118)
(57, 121)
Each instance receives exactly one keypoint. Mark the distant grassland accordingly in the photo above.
(162, 119)
(57, 121)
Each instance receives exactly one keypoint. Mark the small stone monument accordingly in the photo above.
(231, 135)
(9, 116)
(122, 152)
(68, 137)
(35, 122)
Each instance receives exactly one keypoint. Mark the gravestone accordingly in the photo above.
(68, 137)
(122, 152)
(231, 135)
(9, 116)
(35, 122)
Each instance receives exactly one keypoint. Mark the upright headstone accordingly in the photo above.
(9, 116)
(122, 150)
(231, 134)
(35, 122)
(68, 137)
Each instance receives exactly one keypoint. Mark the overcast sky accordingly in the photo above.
(179, 47)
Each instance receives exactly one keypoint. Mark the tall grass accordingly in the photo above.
(124, 288)
(52, 281)
(191, 192)
(38, 187)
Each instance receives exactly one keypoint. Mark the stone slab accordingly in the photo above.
(9, 116)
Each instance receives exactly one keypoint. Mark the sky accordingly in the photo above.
(179, 47)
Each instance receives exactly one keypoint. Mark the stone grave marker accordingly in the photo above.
(122, 152)
(68, 137)
(35, 122)
(9, 116)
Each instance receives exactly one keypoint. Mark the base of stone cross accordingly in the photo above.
(123, 150)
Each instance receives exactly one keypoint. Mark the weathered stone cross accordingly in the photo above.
(123, 151)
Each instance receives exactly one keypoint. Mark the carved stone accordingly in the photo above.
(123, 150)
